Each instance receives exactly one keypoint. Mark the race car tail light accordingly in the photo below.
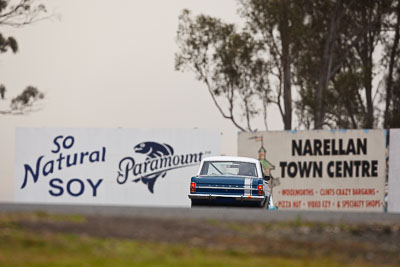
(260, 189)
(193, 187)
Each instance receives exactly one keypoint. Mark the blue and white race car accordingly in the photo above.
(230, 181)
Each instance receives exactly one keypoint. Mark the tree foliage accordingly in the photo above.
(274, 24)
(228, 62)
(19, 13)
(24, 102)
(8, 43)
(341, 57)
(2, 91)
(392, 58)
(26, 98)
(348, 99)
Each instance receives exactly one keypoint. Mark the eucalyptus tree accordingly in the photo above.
(19, 13)
(337, 62)
(392, 57)
(244, 70)
(277, 24)
(329, 52)
(229, 62)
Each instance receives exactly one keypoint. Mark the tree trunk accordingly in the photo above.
(392, 61)
(326, 64)
(369, 120)
(287, 90)
(367, 49)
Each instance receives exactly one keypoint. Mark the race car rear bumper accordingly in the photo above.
(236, 197)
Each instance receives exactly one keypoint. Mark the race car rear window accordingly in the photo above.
(234, 168)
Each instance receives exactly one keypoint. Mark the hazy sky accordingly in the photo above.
(109, 64)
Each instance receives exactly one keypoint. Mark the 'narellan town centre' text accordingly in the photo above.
(338, 167)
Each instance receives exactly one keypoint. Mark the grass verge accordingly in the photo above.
(23, 247)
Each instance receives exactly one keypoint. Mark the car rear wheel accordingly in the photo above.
(195, 204)
(267, 202)
(262, 203)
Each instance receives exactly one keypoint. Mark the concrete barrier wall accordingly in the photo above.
(394, 171)
(109, 166)
(322, 170)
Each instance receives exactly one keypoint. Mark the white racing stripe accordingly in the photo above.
(247, 186)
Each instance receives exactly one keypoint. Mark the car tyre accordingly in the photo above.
(194, 204)
(262, 203)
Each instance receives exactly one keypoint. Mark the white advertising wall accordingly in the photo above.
(109, 166)
(322, 170)
(394, 171)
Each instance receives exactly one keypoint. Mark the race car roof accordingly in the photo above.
(228, 158)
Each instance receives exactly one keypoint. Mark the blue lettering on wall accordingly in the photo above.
(55, 141)
(67, 143)
(45, 167)
(125, 166)
(56, 184)
(74, 187)
(35, 175)
(81, 187)
(94, 186)
(160, 158)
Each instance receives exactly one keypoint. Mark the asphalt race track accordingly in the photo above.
(212, 213)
